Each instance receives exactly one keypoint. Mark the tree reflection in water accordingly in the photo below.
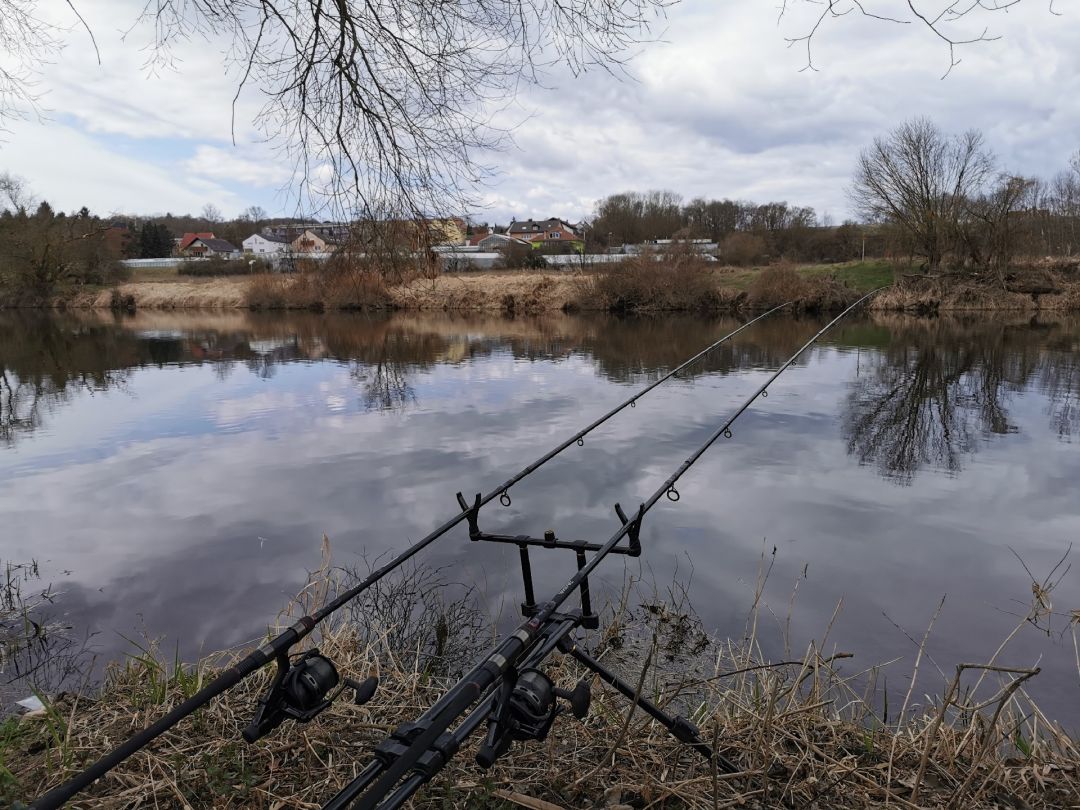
(934, 388)
(44, 365)
(941, 386)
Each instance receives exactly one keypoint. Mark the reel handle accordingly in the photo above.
(365, 689)
(580, 698)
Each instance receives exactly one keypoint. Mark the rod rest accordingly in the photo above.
(431, 761)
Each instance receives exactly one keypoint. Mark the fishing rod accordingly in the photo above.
(518, 700)
(293, 693)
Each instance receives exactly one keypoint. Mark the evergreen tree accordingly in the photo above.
(155, 241)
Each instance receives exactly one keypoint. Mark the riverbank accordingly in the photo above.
(803, 732)
(638, 288)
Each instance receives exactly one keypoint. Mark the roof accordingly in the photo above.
(329, 238)
(219, 245)
(188, 238)
(539, 225)
(502, 237)
(271, 237)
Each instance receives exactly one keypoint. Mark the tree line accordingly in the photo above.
(957, 208)
(745, 232)
(43, 251)
(938, 200)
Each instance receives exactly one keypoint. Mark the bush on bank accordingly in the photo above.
(346, 286)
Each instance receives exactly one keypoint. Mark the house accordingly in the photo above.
(311, 241)
(547, 230)
(188, 238)
(449, 231)
(260, 244)
(212, 248)
(336, 233)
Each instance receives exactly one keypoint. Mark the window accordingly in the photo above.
(555, 235)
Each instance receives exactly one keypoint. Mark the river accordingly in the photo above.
(173, 474)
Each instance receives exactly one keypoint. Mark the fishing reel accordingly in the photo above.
(302, 690)
(525, 709)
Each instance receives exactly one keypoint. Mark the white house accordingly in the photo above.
(261, 244)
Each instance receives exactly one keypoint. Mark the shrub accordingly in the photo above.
(340, 285)
(268, 292)
(779, 284)
(121, 302)
(655, 283)
(776, 285)
(741, 249)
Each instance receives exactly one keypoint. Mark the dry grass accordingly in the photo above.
(781, 283)
(175, 293)
(805, 733)
(334, 286)
(508, 291)
(1035, 289)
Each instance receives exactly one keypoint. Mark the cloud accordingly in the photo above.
(228, 165)
(71, 168)
(716, 107)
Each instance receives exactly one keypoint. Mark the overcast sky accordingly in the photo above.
(718, 108)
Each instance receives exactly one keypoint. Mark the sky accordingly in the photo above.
(718, 106)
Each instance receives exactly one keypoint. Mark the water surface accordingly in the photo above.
(174, 473)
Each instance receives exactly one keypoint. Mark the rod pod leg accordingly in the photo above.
(680, 728)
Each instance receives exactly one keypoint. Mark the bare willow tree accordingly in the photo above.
(390, 102)
(921, 178)
(380, 105)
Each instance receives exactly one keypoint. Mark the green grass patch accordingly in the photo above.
(863, 276)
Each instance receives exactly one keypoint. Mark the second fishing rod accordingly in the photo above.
(287, 699)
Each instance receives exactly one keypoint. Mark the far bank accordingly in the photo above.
(639, 287)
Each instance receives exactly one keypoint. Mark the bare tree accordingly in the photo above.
(15, 196)
(25, 43)
(382, 106)
(254, 214)
(211, 213)
(921, 178)
(989, 227)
